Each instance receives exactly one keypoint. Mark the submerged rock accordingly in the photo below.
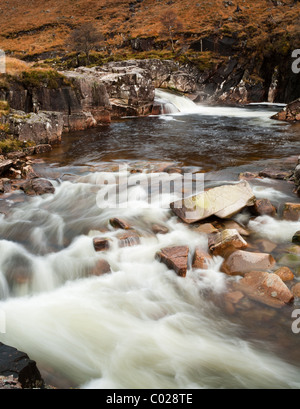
(296, 290)
(102, 267)
(285, 274)
(175, 258)
(264, 207)
(20, 366)
(241, 262)
(291, 212)
(223, 201)
(266, 288)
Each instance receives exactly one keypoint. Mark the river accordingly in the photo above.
(142, 326)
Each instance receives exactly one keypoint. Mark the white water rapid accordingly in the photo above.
(140, 326)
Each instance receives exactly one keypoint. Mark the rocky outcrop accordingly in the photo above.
(18, 365)
(290, 113)
(223, 201)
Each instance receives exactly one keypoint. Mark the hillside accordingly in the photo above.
(39, 26)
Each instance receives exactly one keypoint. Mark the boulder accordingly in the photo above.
(265, 246)
(175, 258)
(201, 259)
(296, 290)
(101, 244)
(296, 238)
(285, 274)
(266, 288)
(290, 113)
(231, 224)
(275, 174)
(5, 165)
(226, 242)
(241, 262)
(264, 207)
(33, 187)
(119, 224)
(291, 212)
(206, 228)
(223, 201)
(20, 366)
(159, 229)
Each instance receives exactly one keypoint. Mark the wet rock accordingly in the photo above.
(248, 176)
(231, 224)
(102, 267)
(175, 258)
(5, 165)
(226, 242)
(206, 228)
(101, 244)
(201, 259)
(296, 238)
(129, 239)
(159, 229)
(120, 224)
(29, 173)
(285, 274)
(275, 174)
(291, 212)
(296, 290)
(37, 187)
(290, 113)
(242, 262)
(264, 207)
(17, 364)
(222, 201)
(266, 288)
(266, 246)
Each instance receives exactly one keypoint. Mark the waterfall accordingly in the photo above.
(171, 103)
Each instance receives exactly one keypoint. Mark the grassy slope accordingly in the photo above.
(36, 26)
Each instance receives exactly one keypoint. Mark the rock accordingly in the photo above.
(175, 258)
(42, 127)
(290, 113)
(222, 201)
(264, 207)
(5, 165)
(17, 364)
(101, 244)
(39, 149)
(14, 173)
(234, 297)
(248, 176)
(159, 229)
(129, 239)
(231, 224)
(102, 267)
(285, 274)
(291, 212)
(206, 228)
(9, 383)
(201, 259)
(37, 187)
(275, 174)
(119, 224)
(16, 155)
(296, 238)
(241, 262)
(226, 242)
(266, 246)
(296, 290)
(29, 173)
(266, 288)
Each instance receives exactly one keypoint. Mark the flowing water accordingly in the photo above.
(142, 326)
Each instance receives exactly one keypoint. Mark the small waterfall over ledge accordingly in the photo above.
(170, 103)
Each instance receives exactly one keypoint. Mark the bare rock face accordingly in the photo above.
(18, 365)
(266, 288)
(223, 201)
(290, 113)
(42, 127)
(242, 262)
(175, 258)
